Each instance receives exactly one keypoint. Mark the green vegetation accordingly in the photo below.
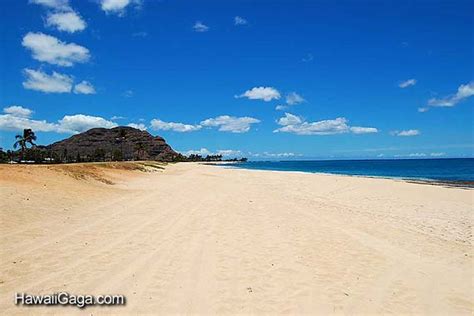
(28, 137)
(29, 152)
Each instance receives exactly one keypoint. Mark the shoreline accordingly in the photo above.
(467, 184)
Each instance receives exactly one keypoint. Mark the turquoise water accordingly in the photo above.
(461, 169)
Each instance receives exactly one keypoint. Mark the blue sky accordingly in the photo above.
(262, 79)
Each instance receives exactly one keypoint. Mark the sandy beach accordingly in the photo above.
(199, 239)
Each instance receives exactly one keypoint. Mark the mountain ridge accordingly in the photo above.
(117, 143)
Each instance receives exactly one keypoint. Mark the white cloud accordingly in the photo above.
(464, 91)
(200, 27)
(66, 21)
(326, 127)
(157, 124)
(238, 20)
(201, 152)
(294, 124)
(229, 152)
(281, 107)
(224, 123)
(294, 98)
(18, 111)
(69, 124)
(406, 133)
(79, 123)
(139, 126)
(232, 124)
(53, 4)
(116, 117)
(9, 122)
(84, 87)
(261, 93)
(363, 130)
(267, 154)
(114, 5)
(278, 155)
(423, 109)
(128, 93)
(118, 7)
(289, 119)
(206, 152)
(437, 154)
(40, 81)
(55, 83)
(49, 49)
(417, 155)
(407, 83)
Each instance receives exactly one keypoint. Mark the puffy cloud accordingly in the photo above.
(84, 87)
(9, 122)
(407, 83)
(464, 91)
(118, 7)
(157, 124)
(79, 123)
(232, 124)
(238, 20)
(53, 4)
(61, 16)
(261, 93)
(437, 154)
(406, 133)
(200, 27)
(55, 83)
(16, 120)
(40, 81)
(202, 152)
(423, 109)
(18, 111)
(294, 124)
(289, 119)
(139, 126)
(66, 21)
(363, 130)
(326, 127)
(294, 98)
(281, 107)
(224, 123)
(49, 49)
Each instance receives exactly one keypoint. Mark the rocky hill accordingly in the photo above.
(118, 143)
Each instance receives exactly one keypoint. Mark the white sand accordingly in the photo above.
(209, 240)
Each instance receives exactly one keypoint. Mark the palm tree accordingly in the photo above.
(23, 140)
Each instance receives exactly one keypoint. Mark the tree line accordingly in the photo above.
(28, 152)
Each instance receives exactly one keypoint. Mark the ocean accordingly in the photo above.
(459, 169)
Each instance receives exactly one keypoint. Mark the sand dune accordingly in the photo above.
(208, 240)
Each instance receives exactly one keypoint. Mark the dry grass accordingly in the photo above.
(101, 171)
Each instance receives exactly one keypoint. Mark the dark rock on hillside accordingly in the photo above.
(118, 143)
